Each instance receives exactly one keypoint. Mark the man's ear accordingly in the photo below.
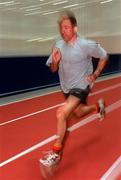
(75, 29)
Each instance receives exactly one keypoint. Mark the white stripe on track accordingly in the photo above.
(114, 171)
(106, 89)
(52, 107)
(31, 114)
(51, 138)
(110, 108)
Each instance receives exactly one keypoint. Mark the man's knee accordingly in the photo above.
(61, 114)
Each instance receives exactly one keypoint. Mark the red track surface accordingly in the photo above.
(89, 151)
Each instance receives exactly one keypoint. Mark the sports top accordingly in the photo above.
(76, 62)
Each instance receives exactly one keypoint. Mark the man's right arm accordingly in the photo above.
(56, 57)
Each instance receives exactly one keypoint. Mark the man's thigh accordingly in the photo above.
(70, 105)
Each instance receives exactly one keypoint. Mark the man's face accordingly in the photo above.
(67, 30)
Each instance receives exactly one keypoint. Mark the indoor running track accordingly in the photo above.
(92, 150)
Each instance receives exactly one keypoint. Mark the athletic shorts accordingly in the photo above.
(82, 94)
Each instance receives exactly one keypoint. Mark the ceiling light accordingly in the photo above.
(13, 4)
(26, 7)
(69, 6)
(33, 9)
(103, 2)
(45, 3)
(46, 39)
(7, 2)
(32, 13)
(35, 39)
(61, 2)
(51, 12)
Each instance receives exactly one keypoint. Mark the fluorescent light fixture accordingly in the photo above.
(50, 12)
(13, 4)
(33, 9)
(32, 13)
(45, 3)
(40, 39)
(60, 2)
(6, 2)
(103, 2)
(46, 39)
(26, 7)
(72, 5)
(35, 39)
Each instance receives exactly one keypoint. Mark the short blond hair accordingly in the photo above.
(68, 15)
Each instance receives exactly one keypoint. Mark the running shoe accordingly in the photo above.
(51, 158)
(101, 109)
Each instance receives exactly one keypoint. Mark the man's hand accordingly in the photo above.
(91, 78)
(56, 55)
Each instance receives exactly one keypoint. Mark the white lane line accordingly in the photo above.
(114, 106)
(108, 109)
(114, 171)
(46, 141)
(106, 89)
(31, 114)
(52, 107)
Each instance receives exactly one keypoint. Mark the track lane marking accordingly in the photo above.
(52, 107)
(114, 171)
(31, 114)
(89, 119)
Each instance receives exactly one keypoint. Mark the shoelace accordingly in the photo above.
(50, 155)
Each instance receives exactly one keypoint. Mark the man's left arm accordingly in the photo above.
(95, 50)
(101, 65)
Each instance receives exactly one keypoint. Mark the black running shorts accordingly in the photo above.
(82, 94)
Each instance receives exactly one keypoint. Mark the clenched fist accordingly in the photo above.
(56, 55)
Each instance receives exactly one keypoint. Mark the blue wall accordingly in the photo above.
(20, 74)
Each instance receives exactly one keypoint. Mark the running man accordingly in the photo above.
(72, 58)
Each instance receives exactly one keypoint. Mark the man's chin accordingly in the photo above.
(66, 40)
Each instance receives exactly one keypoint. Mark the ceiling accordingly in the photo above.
(28, 27)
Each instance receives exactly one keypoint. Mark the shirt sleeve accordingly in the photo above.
(95, 50)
